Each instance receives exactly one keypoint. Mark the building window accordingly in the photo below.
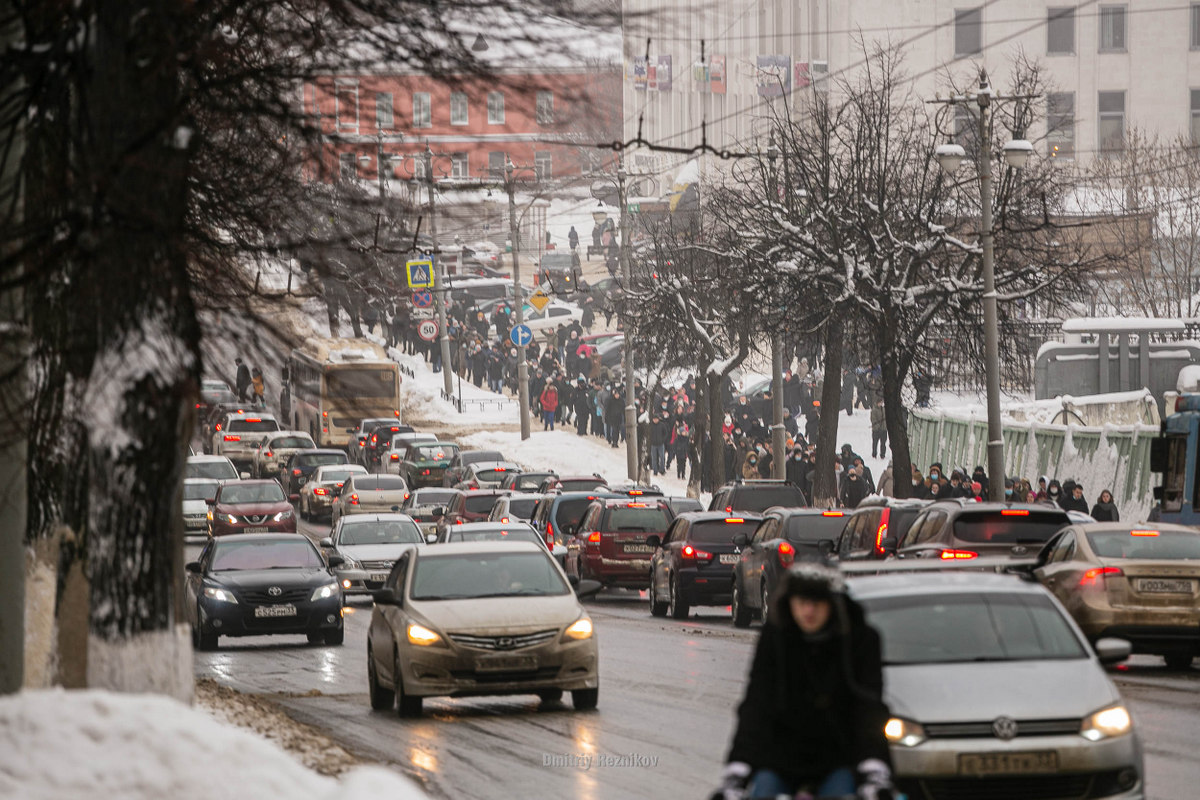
(422, 110)
(545, 108)
(968, 31)
(459, 166)
(346, 107)
(1060, 124)
(820, 75)
(1112, 123)
(383, 111)
(458, 108)
(347, 166)
(1195, 93)
(495, 108)
(541, 165)
(964, 124)
(1060, 31)
(1195, 26)
(1112, 28)
(496, 161)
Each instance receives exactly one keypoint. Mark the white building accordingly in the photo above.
(1111, 65)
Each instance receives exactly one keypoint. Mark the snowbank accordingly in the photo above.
(63, 745)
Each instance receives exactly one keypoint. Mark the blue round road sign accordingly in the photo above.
(422, 299)
(520, 335)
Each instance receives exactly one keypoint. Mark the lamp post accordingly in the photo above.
(778, 430)
(631, 445)
(949, 157)
(439, 282)
(518, 300)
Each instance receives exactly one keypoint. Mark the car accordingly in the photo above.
(960, 528)
(272, 455)
(490, 531)
(692, 565)
(525, 481)
(612, 351)
(609, 543)
(213, 393)
(362, 433)
(486, 474)
(473, 506)
(1133, 581)
(480, 618)
(426, 506)
(551, 315)
(462, 459)
(239, 432)
(369, 545)
(318, 493)
(995, 692)
(253, 506)
(783, 536)
(681, 505)
(380, 442)
(363, 494)
(756, 496)
(197, 494)
(390, 454)
(874, 519)
(517, 507)
(423, 463)
(303, 464)
(556, 515)
(217, 468)
(259, 584)
(636, 490)
(558, 273)
(574, 483)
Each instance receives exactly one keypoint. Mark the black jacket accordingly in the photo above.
(813, 703)
(1071, 504)
(1105, 512)
(853, 492)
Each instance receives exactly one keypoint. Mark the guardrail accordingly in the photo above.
(480, 403)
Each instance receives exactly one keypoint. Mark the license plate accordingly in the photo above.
(275, 611)
(1182, 586)
(256, 529)
(1027, 763)
(637, 548)
(377, 577)
(505, 663)
(729, 558)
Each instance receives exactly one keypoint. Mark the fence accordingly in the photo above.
(1113, 457)
(480, 403)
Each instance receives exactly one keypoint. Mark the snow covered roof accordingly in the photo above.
(1120, 324)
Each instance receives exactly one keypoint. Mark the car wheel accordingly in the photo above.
(209, 641)
(675, 606)
(548, 696)
(585, 699)
(335, 637)
(406, 705)
(657, 607)
(738, 609)
(381, 699)
(1178, 660)
(763, 613)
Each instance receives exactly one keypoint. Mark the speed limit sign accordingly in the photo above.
(428, 329)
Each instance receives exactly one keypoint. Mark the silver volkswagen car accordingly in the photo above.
(995, 692)
(369, 545)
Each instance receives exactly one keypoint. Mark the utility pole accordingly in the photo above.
(631, 445)
(440, 291)
(518, 300)
(778, 431)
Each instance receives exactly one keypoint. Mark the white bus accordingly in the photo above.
(332, 384)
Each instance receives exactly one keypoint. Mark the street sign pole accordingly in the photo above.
(631, 432)
(518, 301)
(439, 281)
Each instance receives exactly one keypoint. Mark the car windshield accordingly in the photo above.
(252, 425)
(201, 490)
(493, 535)
(475, 456)
(221, 470)
(252, 493)
(472, 575)
(321, 459)
(1017, 526)
(635, 519)
(521, 507)
(811, 528)
(386, 483)
(721, 531)
(760, 498)
(431, 453)
(582, 484)
(360, 382)
(297, 553)
(433, 497)
(479, 503)
(291, 441)
(1146, 543)
(971, 627)
(392, 531)
(530, 481)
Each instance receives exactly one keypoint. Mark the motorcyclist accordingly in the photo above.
(813, 715)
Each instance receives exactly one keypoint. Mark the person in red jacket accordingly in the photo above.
(549, 401)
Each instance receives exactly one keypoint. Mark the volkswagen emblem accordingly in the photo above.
(274, 591)
(1005, 728)
(505, 643)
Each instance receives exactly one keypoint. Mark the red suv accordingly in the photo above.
(609, 544)
(250, 507)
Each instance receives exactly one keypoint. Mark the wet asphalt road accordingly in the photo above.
(668, 693)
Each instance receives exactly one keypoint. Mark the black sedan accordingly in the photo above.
(259, 584)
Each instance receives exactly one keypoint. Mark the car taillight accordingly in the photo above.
(690, 552)
(881, 531)
(636, 505)
(396, 412)
(295, 472)
(269, 454)
(833, 513)
(218, 428)
(504, 519)
(1143, 533)
(594, 537)
(948, 555)
(324, 413)
(353, 499)
(787, 554)
(230, 438)
(395, 456)
(728, 509)
(1092, 576)
(407, 495)
(636, 493)
(321, 492)
(253, 419)
(424, 472)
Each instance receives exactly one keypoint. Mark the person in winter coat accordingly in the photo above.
(573, 238)
(864, 473)
(980, 476)
(813, 713)
(1105, 509)
(583, 407)
(796, 467)
(1076, 501)
(766, 461)
(614, 416)
(847, 396)
(682, 440)
(242, 382)
(812, 420)
(260, 387)
(657, 436)
(750, 466)
(919, 490)
(878, 430)
(854, 489)
(1053, 492)
(885, 486)
(549, 402)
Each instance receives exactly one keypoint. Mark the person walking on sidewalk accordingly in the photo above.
(549, 403)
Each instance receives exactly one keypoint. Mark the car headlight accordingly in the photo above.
(231, 519)
(323, 592)
(350, 563)
(579, 629)
(903, 732)
(220, 595)
(282, 515)
(1106, 723)
(420, 635)
(210, 516)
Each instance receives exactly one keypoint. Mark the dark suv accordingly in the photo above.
(963, 529)
(609, 544)
(756, 496)
(303, 464)
(560, 271)
(783, 535)
(875, 519)
(693, 563)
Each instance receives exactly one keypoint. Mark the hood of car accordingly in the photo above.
(265, 578)
(978, 692)
(500, 615)
(373, 552)
(254, 509)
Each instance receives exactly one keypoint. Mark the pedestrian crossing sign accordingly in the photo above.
(420, 274)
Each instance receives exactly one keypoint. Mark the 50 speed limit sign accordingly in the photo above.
(428, 329)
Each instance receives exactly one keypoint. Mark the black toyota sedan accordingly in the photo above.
(260, 584)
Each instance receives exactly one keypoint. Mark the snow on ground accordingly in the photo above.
(69, 745)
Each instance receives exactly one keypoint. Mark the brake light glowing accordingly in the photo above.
(324, 413)
(635, 493)
(268, 454)
(880, 533)
(395, 456)
(253, 419)
(396, 412)
(354, 499)
(197, 405)
(691, 552)
(594, 536)
(1091, 576)
(728, 509)
(636, 505)
(833, 514)
(500, 469)
(948, 555)
(218, 428)
(504, 519)
(1143, 533)
(320, 491)
(231, 438)
(295, 472)
(424, 472)
(407, 495)
(1014, 512)
(787, 554)
(734, 519)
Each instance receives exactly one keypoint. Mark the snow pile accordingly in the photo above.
(60, 745)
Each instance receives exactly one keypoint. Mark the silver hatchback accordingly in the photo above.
(995, 692)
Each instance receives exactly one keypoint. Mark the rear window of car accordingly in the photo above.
(335, 475)
(522, 507)
(426, 453)
(320, 459)
(760, 498)
(478, 503)
(252, 425)
(964, 628)
(582, 484)
(1146, 543)
(218, 470)
(1017, 526)
(384, 482)
(292, 441)
(568, 513)
(475, 456)
(492, 475)
(814, 527)
(720, 531)
(433, 497)
(532, 481)
(900, 520)
(631, 519)
(683, 504)
(493, 535)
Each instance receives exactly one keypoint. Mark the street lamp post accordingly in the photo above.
(439, 281)
(778, 430)
(631, 444)
(518, 300)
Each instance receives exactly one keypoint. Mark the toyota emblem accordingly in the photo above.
(505, 643)
(274, 591)
(1005, 728)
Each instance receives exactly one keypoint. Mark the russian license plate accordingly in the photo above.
(729, 558)
(505, 663)
(377, 577)
(256, 529)
(1182, 586)
(1027, 763)
(637, 548)
(288, 610)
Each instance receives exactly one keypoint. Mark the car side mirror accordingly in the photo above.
(825, 546)
(244, 476)
(335, 560)
(438, 512)
(1113, 651)
(654, 540)
(889, 545)
(293, 498)
(193, 566)
(741, 539)
(385, 597)
(588, 588)
(431, 538)
(326, 542)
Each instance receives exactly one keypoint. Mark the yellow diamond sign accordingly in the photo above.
(539, 299)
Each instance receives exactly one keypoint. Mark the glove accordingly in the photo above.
(734, 778)
(875, 780)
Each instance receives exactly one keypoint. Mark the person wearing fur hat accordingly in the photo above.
(813, 714)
